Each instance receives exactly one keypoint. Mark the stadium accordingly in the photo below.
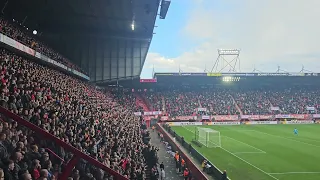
(73, 105)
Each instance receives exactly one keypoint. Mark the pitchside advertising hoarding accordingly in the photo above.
(234, 123)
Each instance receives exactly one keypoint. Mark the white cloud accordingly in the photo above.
(269, 33)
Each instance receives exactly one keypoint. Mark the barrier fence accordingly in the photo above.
(214, 172)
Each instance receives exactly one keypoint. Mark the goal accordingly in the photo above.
(208, 137)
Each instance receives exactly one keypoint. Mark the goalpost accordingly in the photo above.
(208, 137)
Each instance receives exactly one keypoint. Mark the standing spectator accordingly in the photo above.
(224, 175)
(10, 172)
(36, 167)
(186, 174)
(162, 174)
(161, 165)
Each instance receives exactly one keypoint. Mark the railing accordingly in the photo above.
(77, 154)
(196, 172)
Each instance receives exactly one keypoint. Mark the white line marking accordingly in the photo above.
(249, 152)
(242, 159)
(296, 173)
(299, 137)
(245, 144)
(286, 138)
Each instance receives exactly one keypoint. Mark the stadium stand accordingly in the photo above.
(15, 32)
(235, 102)
(253, 102)
(95, 122)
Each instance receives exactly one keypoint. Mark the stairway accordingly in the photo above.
(199, 102)
(236, 105)
(141, 101)
(163, 104)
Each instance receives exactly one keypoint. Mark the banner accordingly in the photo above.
(274, 108)
(186, 118)
(148, 80)
(225, 123)
(292, 116)
(316, 115)
(256, 117)
(150, 113)
(11, 42)
(300, 122)
(201, 109)
(310, 108)
(184, 123)
(137, 113)
(205, 117)
(164, 118)
(261, 122)
(225, 117)
(15, 44)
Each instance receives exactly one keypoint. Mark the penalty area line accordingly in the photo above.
(249, 152)
(261, 151)
(270, 175)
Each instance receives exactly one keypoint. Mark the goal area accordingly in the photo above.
(208, 137)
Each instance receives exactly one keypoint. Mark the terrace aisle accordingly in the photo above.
(169, 164)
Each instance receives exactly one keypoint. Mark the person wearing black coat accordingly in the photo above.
(10, 172)
(224, 175)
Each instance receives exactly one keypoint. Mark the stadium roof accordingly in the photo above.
(99, 17)
(96, 35)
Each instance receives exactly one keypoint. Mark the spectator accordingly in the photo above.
(224, 175)
(36, 167)
(162, 174)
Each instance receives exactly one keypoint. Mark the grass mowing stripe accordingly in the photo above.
(245, 144)
(286, 138)
(240, 158)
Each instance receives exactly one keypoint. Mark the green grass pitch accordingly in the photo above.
(263, 152)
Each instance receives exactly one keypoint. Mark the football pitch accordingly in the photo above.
(263, 152)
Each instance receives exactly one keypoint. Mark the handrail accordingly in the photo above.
(54, 154)
(77, 154)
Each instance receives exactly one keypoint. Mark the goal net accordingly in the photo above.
(208, 137)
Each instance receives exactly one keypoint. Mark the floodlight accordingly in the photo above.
(132, 26)
(35, 32)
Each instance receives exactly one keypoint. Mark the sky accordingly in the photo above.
(269, 34)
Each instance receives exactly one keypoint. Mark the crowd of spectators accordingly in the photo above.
(218, 102)
(253, 102)
(16, 32)
(184, 102)
(155, 100)
(180, 103)
(99, 124)
(295, 100)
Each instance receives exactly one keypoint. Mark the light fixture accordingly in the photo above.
(35, 32)
(132, 26)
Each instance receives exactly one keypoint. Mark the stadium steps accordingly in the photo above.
(141, 101)
(199, 103)
(8, 116)
(236, 105)
(163, 104)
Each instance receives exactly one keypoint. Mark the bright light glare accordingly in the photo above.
(35, 32)
(132, 26)
(230, 79)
